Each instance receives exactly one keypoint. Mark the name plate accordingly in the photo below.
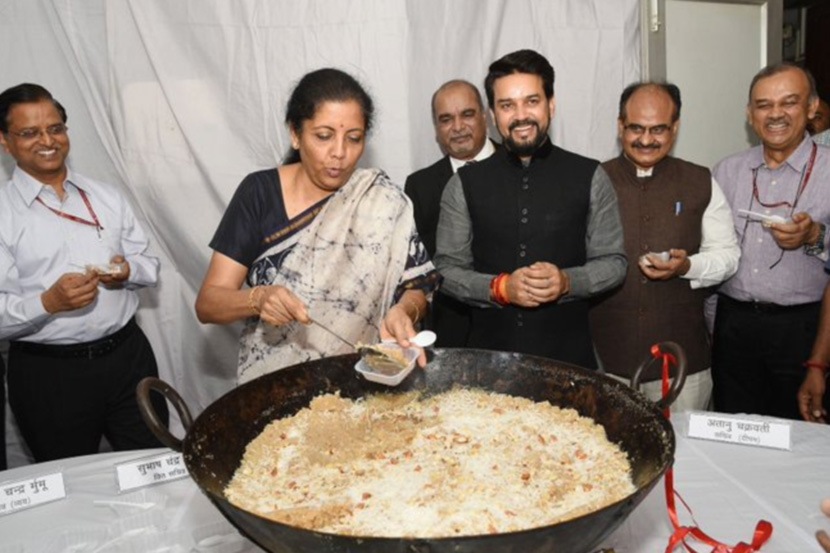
(31, 492)
(744, 431)
(150, 470)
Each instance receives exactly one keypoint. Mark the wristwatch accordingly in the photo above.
(818, 247)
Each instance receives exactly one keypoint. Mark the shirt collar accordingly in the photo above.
(485, 152)
(796, 161)
(30, 188)
(640, 173)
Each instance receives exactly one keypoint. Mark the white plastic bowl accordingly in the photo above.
(392, 378)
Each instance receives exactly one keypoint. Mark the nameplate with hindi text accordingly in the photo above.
(757, 432)
(31, 492)
(150, 470)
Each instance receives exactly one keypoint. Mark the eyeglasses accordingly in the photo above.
(639, 130)
(30, 134)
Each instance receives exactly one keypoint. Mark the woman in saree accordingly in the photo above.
(317, 239)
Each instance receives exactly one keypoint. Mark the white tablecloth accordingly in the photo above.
(728, 487)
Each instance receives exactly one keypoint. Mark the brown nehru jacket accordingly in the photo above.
(659, 212)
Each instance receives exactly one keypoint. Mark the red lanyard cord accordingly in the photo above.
(802, 185)
(94, 223)
(763, 530)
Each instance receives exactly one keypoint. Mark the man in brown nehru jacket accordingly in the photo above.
(679, 240)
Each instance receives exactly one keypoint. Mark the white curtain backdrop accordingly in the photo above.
(175, 101)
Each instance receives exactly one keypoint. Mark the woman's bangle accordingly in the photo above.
(823, 367)
(253, 300)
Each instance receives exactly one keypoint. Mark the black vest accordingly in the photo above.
(521, 215)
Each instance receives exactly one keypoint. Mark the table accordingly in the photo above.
(729, 487)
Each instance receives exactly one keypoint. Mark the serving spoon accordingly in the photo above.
(424, 339)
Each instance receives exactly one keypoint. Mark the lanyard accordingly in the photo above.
(94, 223)
(802, 185)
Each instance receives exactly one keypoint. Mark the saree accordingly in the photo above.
(344, 259)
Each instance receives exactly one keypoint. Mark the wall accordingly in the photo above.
(174, 102)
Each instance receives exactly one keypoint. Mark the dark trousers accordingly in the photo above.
(757, 355)
(65, 403)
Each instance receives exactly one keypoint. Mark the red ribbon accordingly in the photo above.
(763, 530)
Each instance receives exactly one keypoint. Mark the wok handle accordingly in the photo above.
(679, 378)
(151, 418)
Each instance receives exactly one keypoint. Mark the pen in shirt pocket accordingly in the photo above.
(678, 208)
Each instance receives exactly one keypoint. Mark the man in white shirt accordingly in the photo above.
(461, 132)
(72, 255)
(679, 240)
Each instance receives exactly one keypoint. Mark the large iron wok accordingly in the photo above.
(215, 443)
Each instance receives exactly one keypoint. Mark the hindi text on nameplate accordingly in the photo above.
(737, 430)
(150, 470)
(31, 492)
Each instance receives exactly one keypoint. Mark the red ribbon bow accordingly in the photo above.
(763, 530)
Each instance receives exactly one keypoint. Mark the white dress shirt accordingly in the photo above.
(485, 152)
(37, 246)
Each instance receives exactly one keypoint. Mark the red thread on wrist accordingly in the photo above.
(823, 367)
(498, 289)
(503, 289)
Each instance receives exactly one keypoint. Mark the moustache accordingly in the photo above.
(522, 123)
(641, 146)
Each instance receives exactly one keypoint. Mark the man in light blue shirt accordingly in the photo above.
(767, 313)
(72, 255)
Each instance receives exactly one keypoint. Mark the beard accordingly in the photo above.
(527, 147)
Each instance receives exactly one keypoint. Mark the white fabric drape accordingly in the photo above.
(175, 101)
